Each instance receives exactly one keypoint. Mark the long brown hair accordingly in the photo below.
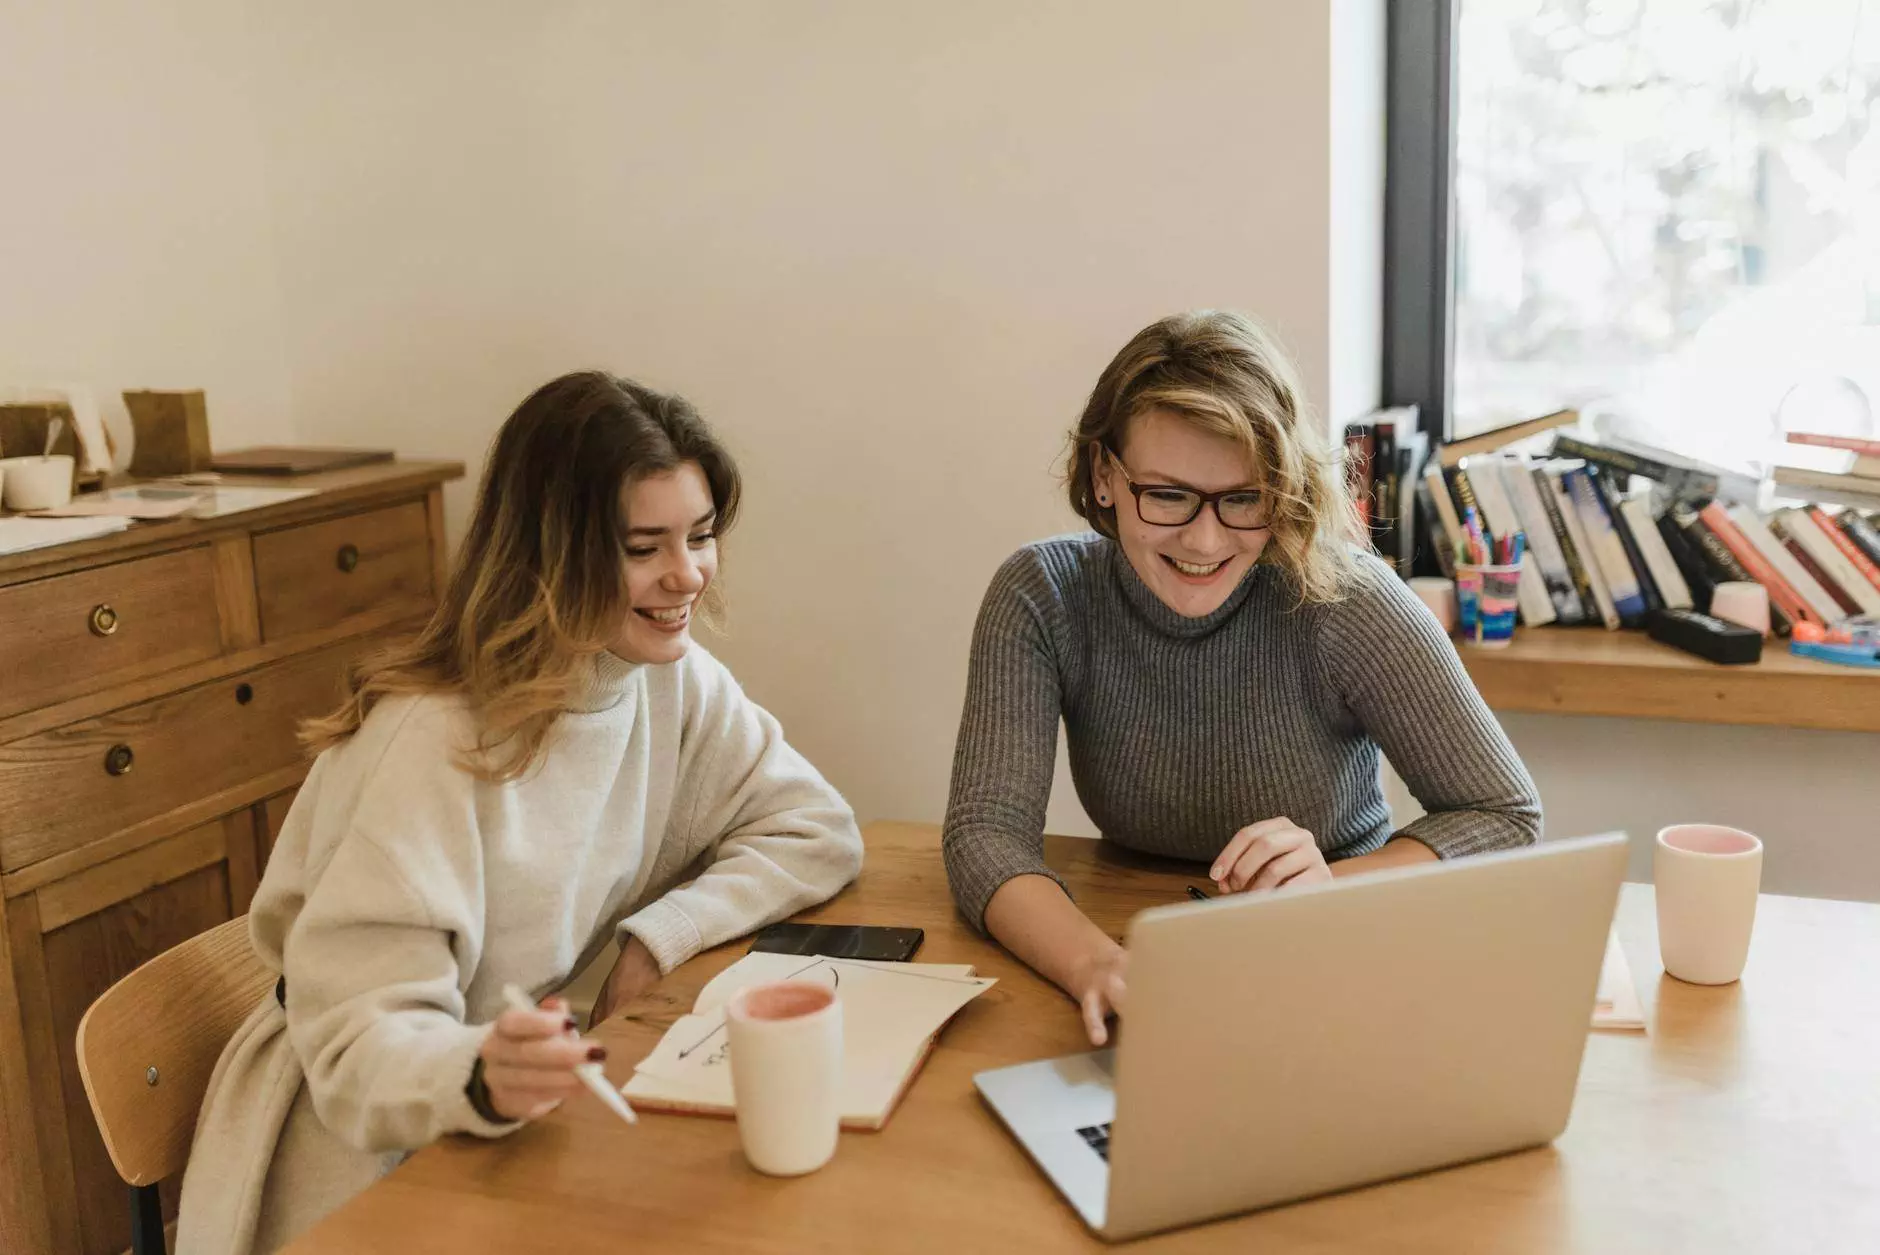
(539, 585)
(1222, 372)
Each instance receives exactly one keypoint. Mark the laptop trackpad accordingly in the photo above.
(1061, 1110)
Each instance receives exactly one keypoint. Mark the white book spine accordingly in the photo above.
(1785, 564)
(1830, 559)
(1589, 562)
(1651, 546)
(1537, 607)
(1545, 546)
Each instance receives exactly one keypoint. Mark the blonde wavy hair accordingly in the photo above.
(1225, 374)
(538, 587)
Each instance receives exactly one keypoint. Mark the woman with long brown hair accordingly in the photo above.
(1227, 663)
(550, 765)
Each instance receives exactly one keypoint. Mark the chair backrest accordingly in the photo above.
(147, 1047)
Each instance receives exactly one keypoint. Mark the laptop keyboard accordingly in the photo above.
(1097, 1138)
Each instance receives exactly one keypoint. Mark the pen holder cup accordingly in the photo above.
(1485, 604)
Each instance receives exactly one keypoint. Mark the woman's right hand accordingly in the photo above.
(529, 1058)
(1097, 982)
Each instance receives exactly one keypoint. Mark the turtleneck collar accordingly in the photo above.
(607, 679)
(1153, 611)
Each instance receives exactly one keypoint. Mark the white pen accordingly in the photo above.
(590, 1073)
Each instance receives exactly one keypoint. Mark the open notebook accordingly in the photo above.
(891, 1013)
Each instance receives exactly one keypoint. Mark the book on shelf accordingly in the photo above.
(1683, 478)
(1384, 454)
(1610, 497)
(1832, 569)
(1826, 608)
(1801, 483)
(1595, 596)
(1431, 526)
(1864, 534)
(1484, 478)
(1721, 560)
(1842, 603)
(1608, 550)
(1360, 442)
(1543, 542)
(1500, 438)
(1684, 554)
(1758, 560)
(1852, 444)
(1665, 573)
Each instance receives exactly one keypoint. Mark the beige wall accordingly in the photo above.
(886, 248)
(135, 241)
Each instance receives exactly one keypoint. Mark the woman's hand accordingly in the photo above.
(529, 1060)
(635, 972)
(1268, 855)
(1097, 983)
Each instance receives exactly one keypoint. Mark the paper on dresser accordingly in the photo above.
(889, 1012)
(1616, 1005)
(19, 533)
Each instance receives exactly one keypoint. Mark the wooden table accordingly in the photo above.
(1588, 671)
(1747, 1120)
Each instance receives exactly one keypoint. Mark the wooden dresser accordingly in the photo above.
(151, 683)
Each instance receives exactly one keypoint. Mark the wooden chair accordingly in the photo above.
(146, 1049)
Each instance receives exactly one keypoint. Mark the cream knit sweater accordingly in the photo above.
(403, 895)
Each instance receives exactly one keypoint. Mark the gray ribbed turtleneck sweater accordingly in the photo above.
(1183, 731)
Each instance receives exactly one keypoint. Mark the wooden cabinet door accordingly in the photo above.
(73, 939)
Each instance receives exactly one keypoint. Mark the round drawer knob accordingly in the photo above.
(118, 759)
(348, 557)
(244, 693)
(104, 620)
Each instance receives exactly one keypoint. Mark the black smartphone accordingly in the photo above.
(841, 941)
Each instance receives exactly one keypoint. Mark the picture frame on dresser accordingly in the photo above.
(151, 687)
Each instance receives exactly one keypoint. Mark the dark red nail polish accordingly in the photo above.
(568, 1024)
(597, 1054)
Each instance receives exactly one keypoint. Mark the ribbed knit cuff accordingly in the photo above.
(666, 932)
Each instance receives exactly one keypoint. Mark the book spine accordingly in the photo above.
(1441, 548)
(1865, 537)
(1412, 447)
(1450, 534)
(1542, 541)
(1600, 595)
(1679, 480)
(1826, 608)
(1466, 500)
(1757, 567)
(1723, 565)
(1537, 608)
(1621, 582)
(1836, 574)
(1690, 564)
(1384, 488)
(1610, 497)
(1358, 444)
(1801, 557)
(1651, 546)
(1870, 448)
(1569, 551)
(1862, 564)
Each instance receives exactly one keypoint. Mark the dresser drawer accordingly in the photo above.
(81, 633)
(66, 788)
(321, 574)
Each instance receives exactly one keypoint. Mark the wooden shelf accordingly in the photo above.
(1588, 671)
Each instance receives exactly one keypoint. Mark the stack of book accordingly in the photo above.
(1384, 454)
(1614, 529)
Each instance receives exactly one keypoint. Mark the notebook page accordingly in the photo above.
(889, 1011)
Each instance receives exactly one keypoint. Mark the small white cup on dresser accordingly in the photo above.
(1743, 603)
(36, 483)
(786, 1074)
(1706, 878)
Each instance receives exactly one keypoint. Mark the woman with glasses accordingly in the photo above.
(1226, 663)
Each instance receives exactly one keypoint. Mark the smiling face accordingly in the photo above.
(1194, 567)
(672, 556)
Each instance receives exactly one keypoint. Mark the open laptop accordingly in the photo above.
(1285, 1045)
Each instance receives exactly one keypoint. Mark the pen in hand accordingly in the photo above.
(590, 1073)
(1198, 895)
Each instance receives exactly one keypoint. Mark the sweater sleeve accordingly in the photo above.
(775, 836)
(1387, 658)
(376, 962)
(1006, 753)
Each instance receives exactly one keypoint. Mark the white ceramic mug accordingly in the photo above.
(786, 1074)
(35, 483)
(1706, 878)
(1440, 596)
(1743, 603)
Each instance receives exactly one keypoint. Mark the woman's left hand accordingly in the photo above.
(1267, 855)
(635, 972)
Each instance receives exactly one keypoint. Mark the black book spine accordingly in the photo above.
(1576, 564)
(1723, 564)
(1864, 535)
(1689, 564)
